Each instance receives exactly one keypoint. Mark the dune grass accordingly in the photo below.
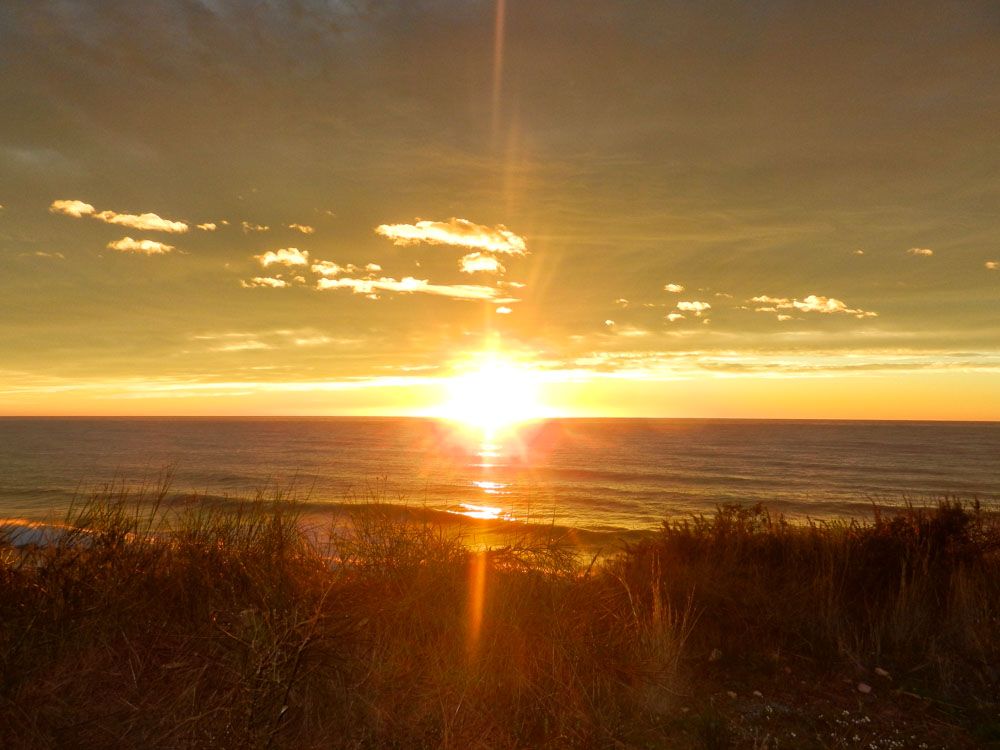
(149, 625)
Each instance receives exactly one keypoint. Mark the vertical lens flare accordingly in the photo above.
(498, 43)
(476, 600)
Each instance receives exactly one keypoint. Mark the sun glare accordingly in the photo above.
(493, 393)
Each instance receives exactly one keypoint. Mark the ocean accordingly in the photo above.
(598, 475)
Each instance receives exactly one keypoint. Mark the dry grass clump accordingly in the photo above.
(202, 626)
(916, 591)
(147, 624)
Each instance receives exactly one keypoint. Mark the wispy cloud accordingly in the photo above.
(503, 310)
(146, 247)
(460, 232)
(304, 228)
(242, 346)
(657, 365)
(208, 226)
(146, 221)
(264, 281)
(479, 262)
(50, 256)
(410, 285)
(674, 288)
(285, 256)
(236, 341)
(812, 303)
(311, 340)
(248, 227)
(925, 251)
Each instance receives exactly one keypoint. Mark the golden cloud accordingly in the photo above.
(479, 262)
(148, 247)
(264, 281)
(813, 303)
(460, 232)
(410, 285)
(73, 208)
(285, 256)
(146, 221)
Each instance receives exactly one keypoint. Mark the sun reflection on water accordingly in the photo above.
(490, 488)
(481, 512)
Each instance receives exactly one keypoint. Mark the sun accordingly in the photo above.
(491, 393)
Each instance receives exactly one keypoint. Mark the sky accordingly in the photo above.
(773, 209)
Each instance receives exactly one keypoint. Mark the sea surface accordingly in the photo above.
(591, 474)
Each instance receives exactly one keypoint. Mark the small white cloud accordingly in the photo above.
(148, 222)
(925, 251)
(327, 268)
(454, 231)
(621, 302)
(784, 317)
(286, 256)
(698, 308)
(479, 262)
(248, 227)
(815, 303)
(373, 267)
(52, 256)
(148, 247)
(859, 252)
(609, 323)
(264, 281)
(675, 288)
(993, 265)
(304, 228)
(674, 317)
(503, 310)
(208, 226)
(724, 295)
(73, 208)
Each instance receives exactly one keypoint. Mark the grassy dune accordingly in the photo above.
(225, 627)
